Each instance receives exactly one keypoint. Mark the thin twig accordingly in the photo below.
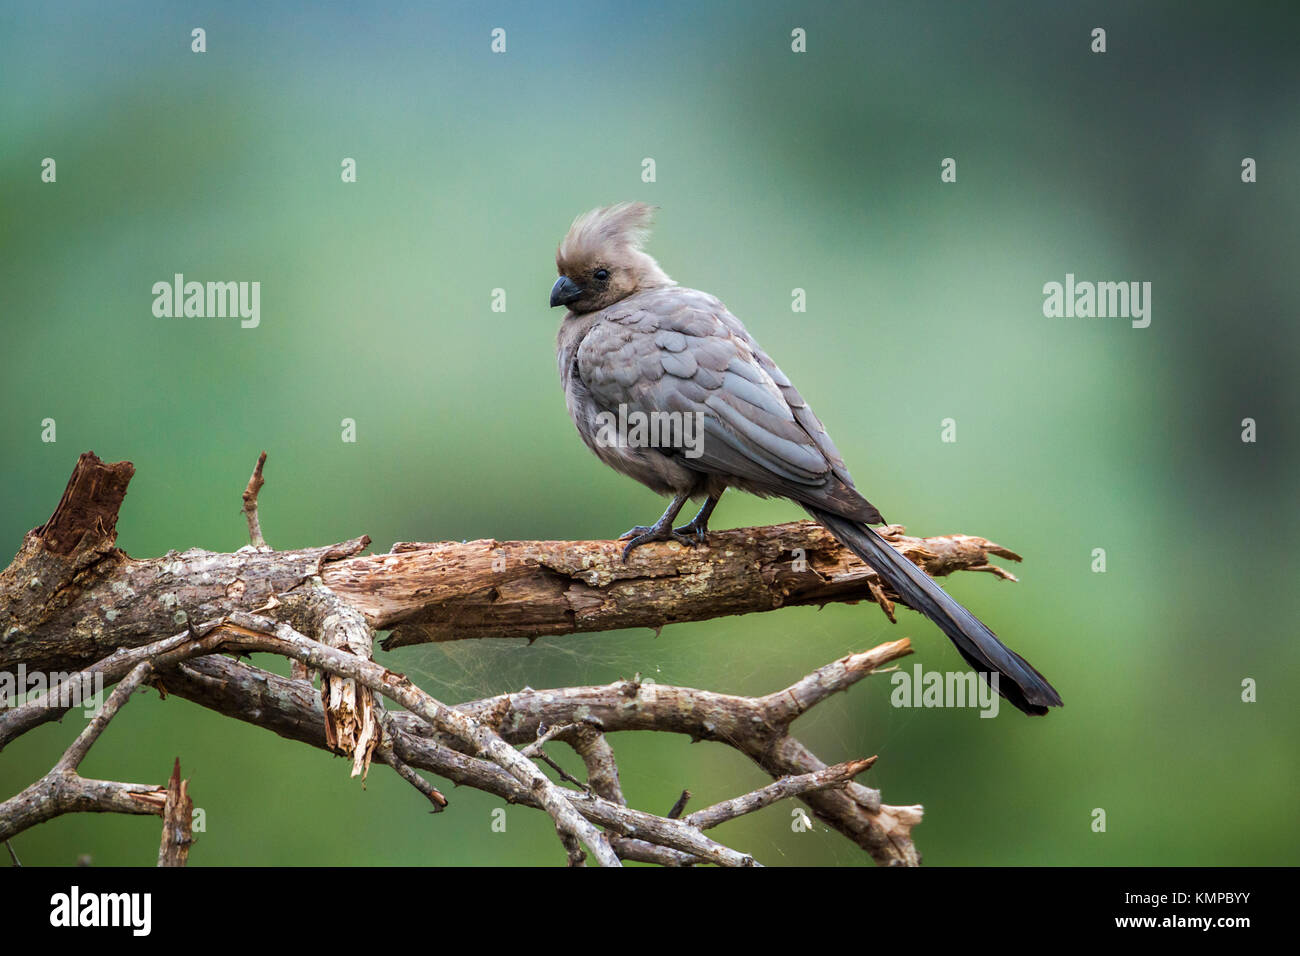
(193, 642)
(73, 756)
(388, 755)
(563, 774)
(835, 776)
(255, 483)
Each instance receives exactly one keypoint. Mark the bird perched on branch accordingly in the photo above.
(666, 386)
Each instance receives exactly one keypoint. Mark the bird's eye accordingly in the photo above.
(602, 274)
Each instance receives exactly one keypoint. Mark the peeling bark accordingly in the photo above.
(71, 601)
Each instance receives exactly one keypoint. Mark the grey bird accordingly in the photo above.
(634, 347)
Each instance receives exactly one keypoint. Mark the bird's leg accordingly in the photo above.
(699, 526)
(661, 530)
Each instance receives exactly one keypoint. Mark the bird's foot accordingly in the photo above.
(697, 530)
(660, 532)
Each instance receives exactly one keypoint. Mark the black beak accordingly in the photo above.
(565, 292)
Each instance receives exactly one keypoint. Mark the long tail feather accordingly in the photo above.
(1017, 681)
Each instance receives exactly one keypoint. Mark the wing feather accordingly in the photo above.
(678, 350)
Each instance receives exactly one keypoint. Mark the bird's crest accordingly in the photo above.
(606, 232)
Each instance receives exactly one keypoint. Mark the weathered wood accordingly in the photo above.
(122, 602)
(86, 517)
(65, 611)
(72, 601)
(68, 554)
(488, 588)
(758, 727)
(178, 813)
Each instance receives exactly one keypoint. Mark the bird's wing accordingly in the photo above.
(681, 351)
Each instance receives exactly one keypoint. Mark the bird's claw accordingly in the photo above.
(698, 534)
(636, 532)
(646, 535)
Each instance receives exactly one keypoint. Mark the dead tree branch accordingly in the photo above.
(75, 607)
(63, 790)
(755, 726)
(255, 482)
(456, 591)
(61, 611)
(178, 820)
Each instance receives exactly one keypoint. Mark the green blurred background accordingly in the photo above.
(775, 170)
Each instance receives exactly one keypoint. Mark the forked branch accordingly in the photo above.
(72, 602)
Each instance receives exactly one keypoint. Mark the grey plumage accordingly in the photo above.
(671, 349)
(635, 341)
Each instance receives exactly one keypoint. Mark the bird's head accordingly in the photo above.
(600, 261)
